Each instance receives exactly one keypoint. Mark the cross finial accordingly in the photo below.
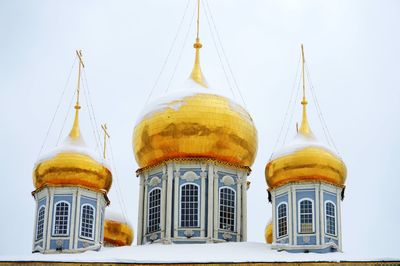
(75, 133)
(78, 87)
(106, 135)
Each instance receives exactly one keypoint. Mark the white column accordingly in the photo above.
(216, 197)
(145, 209)
(321, 217)
(168, 226)
(274, 222)
(164, 212)
(140, 210)
(176, 201)
(318, 212)
(50, 217)
(244, 207)
(210, 201)
(339, 217)
(239, 204)
(203, 200)
(294, 213)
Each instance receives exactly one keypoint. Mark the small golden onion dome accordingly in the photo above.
(195, 123)
(117, 232)
(305, 159)
(268, 233)
(72, 164)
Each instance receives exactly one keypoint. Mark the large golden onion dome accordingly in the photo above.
(117, 231)
(195, 123)
(72, 164)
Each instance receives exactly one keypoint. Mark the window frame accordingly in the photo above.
(334, 217)
(54, 218)
(81, 220)
(148, 211)
(37, 222)
(277, 220)
(312, 215)
(198, 205)
(234, 209)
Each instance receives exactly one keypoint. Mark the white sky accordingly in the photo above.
(352, 50)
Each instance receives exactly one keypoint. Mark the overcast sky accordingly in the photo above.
(352, 52)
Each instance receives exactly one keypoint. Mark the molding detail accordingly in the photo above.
(228, 180)
(227, 236)
(154, 181)
(190, 176)
(188, 233)
(153, 237)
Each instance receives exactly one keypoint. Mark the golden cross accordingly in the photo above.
(106, 135)
(78, 89)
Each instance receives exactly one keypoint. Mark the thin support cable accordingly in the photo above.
(119, 191)
(169, 53)
(92, 120)
(291, 117)
(224, 54)
(92, 113)
(219, 55)
(325, 128)
(291, 99)
(181, 52)
(58, 107)
(66, 117)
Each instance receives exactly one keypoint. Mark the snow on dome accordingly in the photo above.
(299, 142)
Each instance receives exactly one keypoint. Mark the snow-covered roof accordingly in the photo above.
(195, 253)
(300, 142)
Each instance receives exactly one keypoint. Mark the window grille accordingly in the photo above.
(61, 219)
(189, 205)
(306, 216)
(282, 219)
(87, 221)
(330, 213)
(40, 223)
(227, 209)
(154, 212)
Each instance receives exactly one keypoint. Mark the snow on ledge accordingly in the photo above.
(194, 253)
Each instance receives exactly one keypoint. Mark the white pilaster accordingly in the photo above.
(210, 201)
(318, 212)
(244, 207)
(140, 208)
(239, 217)
(294, 214)
(168, 226)
(176, 200)
(216, 198)
(164, 212)
(145, 207)
(203, 200)
(274, 222)
(321, 216)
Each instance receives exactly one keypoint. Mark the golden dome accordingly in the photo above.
(116, 231)
(305, 159)
(268, 233)
(72, 164)
(195, 123)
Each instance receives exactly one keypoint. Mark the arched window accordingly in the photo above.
(306, 216)
(227, 208)
(40, 223)
(189, 207)
(61, 219)
(154, 210)
(86, 229)
(330, 218)
(282, 219)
